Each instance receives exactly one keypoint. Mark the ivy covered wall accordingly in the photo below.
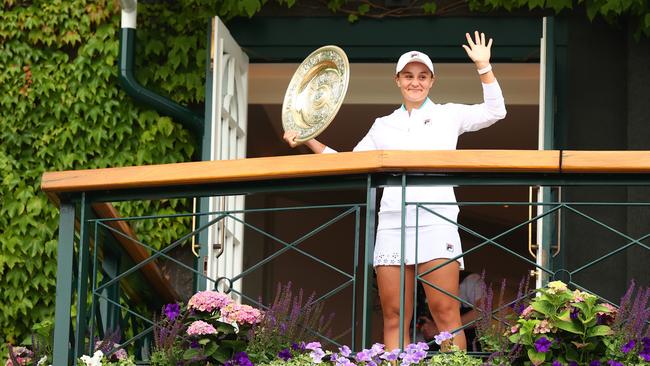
(61, 108)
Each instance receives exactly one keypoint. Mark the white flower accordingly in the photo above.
(96, 360)
(42, 361)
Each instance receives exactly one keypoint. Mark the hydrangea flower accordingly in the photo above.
(614, 363)
(241, 314)
(542, 327)
(200, 327)
(527, 311)
(556, 287)
(208, 301)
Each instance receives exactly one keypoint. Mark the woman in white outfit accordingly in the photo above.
(420, 124)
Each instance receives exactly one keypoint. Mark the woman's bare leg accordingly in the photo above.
(388, 281)
(445, 310)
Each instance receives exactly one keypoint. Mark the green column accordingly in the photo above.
(371, 199)
(82, 278)
(65, 252)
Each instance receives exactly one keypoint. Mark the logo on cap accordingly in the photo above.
(414, 54)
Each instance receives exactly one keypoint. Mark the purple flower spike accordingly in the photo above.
(542, 345)
(557, 363)
(573, 363)
(171, 311)
(614, 363)
(574, 313)
(594, 363)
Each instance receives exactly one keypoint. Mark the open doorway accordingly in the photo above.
(372, 93)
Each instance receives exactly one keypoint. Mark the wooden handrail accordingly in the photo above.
(309, 165)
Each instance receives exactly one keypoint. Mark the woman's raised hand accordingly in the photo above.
(290, 138)
(477, 49)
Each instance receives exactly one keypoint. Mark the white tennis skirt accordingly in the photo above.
(433, 242)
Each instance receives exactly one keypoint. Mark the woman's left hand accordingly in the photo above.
(478, 50)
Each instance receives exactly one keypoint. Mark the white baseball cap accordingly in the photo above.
(413, 56)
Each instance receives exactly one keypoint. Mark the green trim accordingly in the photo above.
(265, 39)
(186, 117)
(366, 317)
(82, 277)
(63, 306)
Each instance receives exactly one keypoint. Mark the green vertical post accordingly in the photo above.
(355, 272)
(549, 137)
(63, 307)
(371, 200)
(82, 278)
(402, 267)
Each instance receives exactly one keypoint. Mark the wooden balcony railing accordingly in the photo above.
(95, 186)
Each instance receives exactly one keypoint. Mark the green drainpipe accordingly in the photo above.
(166, 106)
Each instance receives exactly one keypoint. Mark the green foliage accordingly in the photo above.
(637, 11)
(567, 321)
(456, 357)
(61, 108)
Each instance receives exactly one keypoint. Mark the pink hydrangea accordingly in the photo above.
(208, 301)
(200, 327)
(119, 355)
(527, 311)
(23, 356)
(241, 314)
(542, 327)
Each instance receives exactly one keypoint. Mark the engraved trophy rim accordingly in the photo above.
(304, 108)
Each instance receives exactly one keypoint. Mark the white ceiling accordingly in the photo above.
(373, 83)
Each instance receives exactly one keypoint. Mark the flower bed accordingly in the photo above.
(558, 327)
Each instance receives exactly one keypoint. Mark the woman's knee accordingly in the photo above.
(445, 309)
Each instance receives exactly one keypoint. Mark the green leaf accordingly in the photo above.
(430, 7)
(559, 5)
(191, 353)
(544, 307)
(353, 18)
(599, 331)
(537, 358)
(363, 9)
(569, 326)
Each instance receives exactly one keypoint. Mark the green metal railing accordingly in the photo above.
(95, 292)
